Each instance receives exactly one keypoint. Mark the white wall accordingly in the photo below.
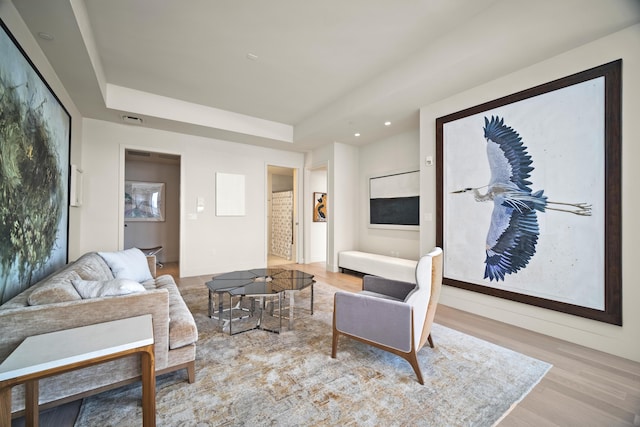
(342, 197)
(341, 163)
(399, 153)
(623, 341)
(348, 169)
(318, 230)
(318, 159)
(209, 244)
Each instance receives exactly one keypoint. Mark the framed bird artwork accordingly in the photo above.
(529, 195)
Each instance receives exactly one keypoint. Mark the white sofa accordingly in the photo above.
(378, 265)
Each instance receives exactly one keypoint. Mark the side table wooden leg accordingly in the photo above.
(5, 406)
(148, 387)
(31, 405)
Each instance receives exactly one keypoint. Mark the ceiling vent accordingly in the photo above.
(139, 153)
(168, 156)
(132, 120)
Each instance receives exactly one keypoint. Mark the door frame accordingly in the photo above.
(121, 180)
(297, 249)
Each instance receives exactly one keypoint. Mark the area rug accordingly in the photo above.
(259, 378)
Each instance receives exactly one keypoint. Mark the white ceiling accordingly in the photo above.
(324, 69)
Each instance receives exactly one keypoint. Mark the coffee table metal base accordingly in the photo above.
(241, 313)
(249, 298)
(288, 309)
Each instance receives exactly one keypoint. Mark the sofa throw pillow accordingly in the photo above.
(106, 288)
(57, 288)
(128, 264)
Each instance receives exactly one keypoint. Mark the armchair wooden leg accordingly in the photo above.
(430, 341)
(412, 358)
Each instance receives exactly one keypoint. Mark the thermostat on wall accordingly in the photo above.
(75, 187)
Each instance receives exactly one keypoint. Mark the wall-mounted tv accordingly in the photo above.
(394, 200)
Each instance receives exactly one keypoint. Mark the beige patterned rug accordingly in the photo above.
(262, 379)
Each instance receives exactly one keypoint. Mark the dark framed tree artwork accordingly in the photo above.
(35, 137)
(528, 195)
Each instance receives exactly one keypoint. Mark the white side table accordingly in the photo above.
(54, 353)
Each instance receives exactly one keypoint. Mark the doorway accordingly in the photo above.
(281, 216)
(158, 232)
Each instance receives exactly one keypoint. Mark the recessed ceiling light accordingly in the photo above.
(45, 36)
(387, 123)
(356, 134)
(252, 56)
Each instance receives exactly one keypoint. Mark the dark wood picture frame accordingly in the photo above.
(612, 271)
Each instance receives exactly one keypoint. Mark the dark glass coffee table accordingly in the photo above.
(252, 299)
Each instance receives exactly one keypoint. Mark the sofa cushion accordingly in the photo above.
(379, 265)
(182, 326)
(91, 266)
(57, 288)
(106, 288)
(128, 264)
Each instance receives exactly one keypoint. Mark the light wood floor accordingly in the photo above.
(274, 260)
(584, 388)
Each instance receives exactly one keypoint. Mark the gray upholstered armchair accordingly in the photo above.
(392, 315)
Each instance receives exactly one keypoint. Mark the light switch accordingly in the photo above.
(200, 204)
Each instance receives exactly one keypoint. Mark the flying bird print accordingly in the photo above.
(513, 232)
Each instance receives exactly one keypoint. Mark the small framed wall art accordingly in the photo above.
(319, 207)
(143, 201)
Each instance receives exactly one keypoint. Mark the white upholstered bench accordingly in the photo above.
(378, 265)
